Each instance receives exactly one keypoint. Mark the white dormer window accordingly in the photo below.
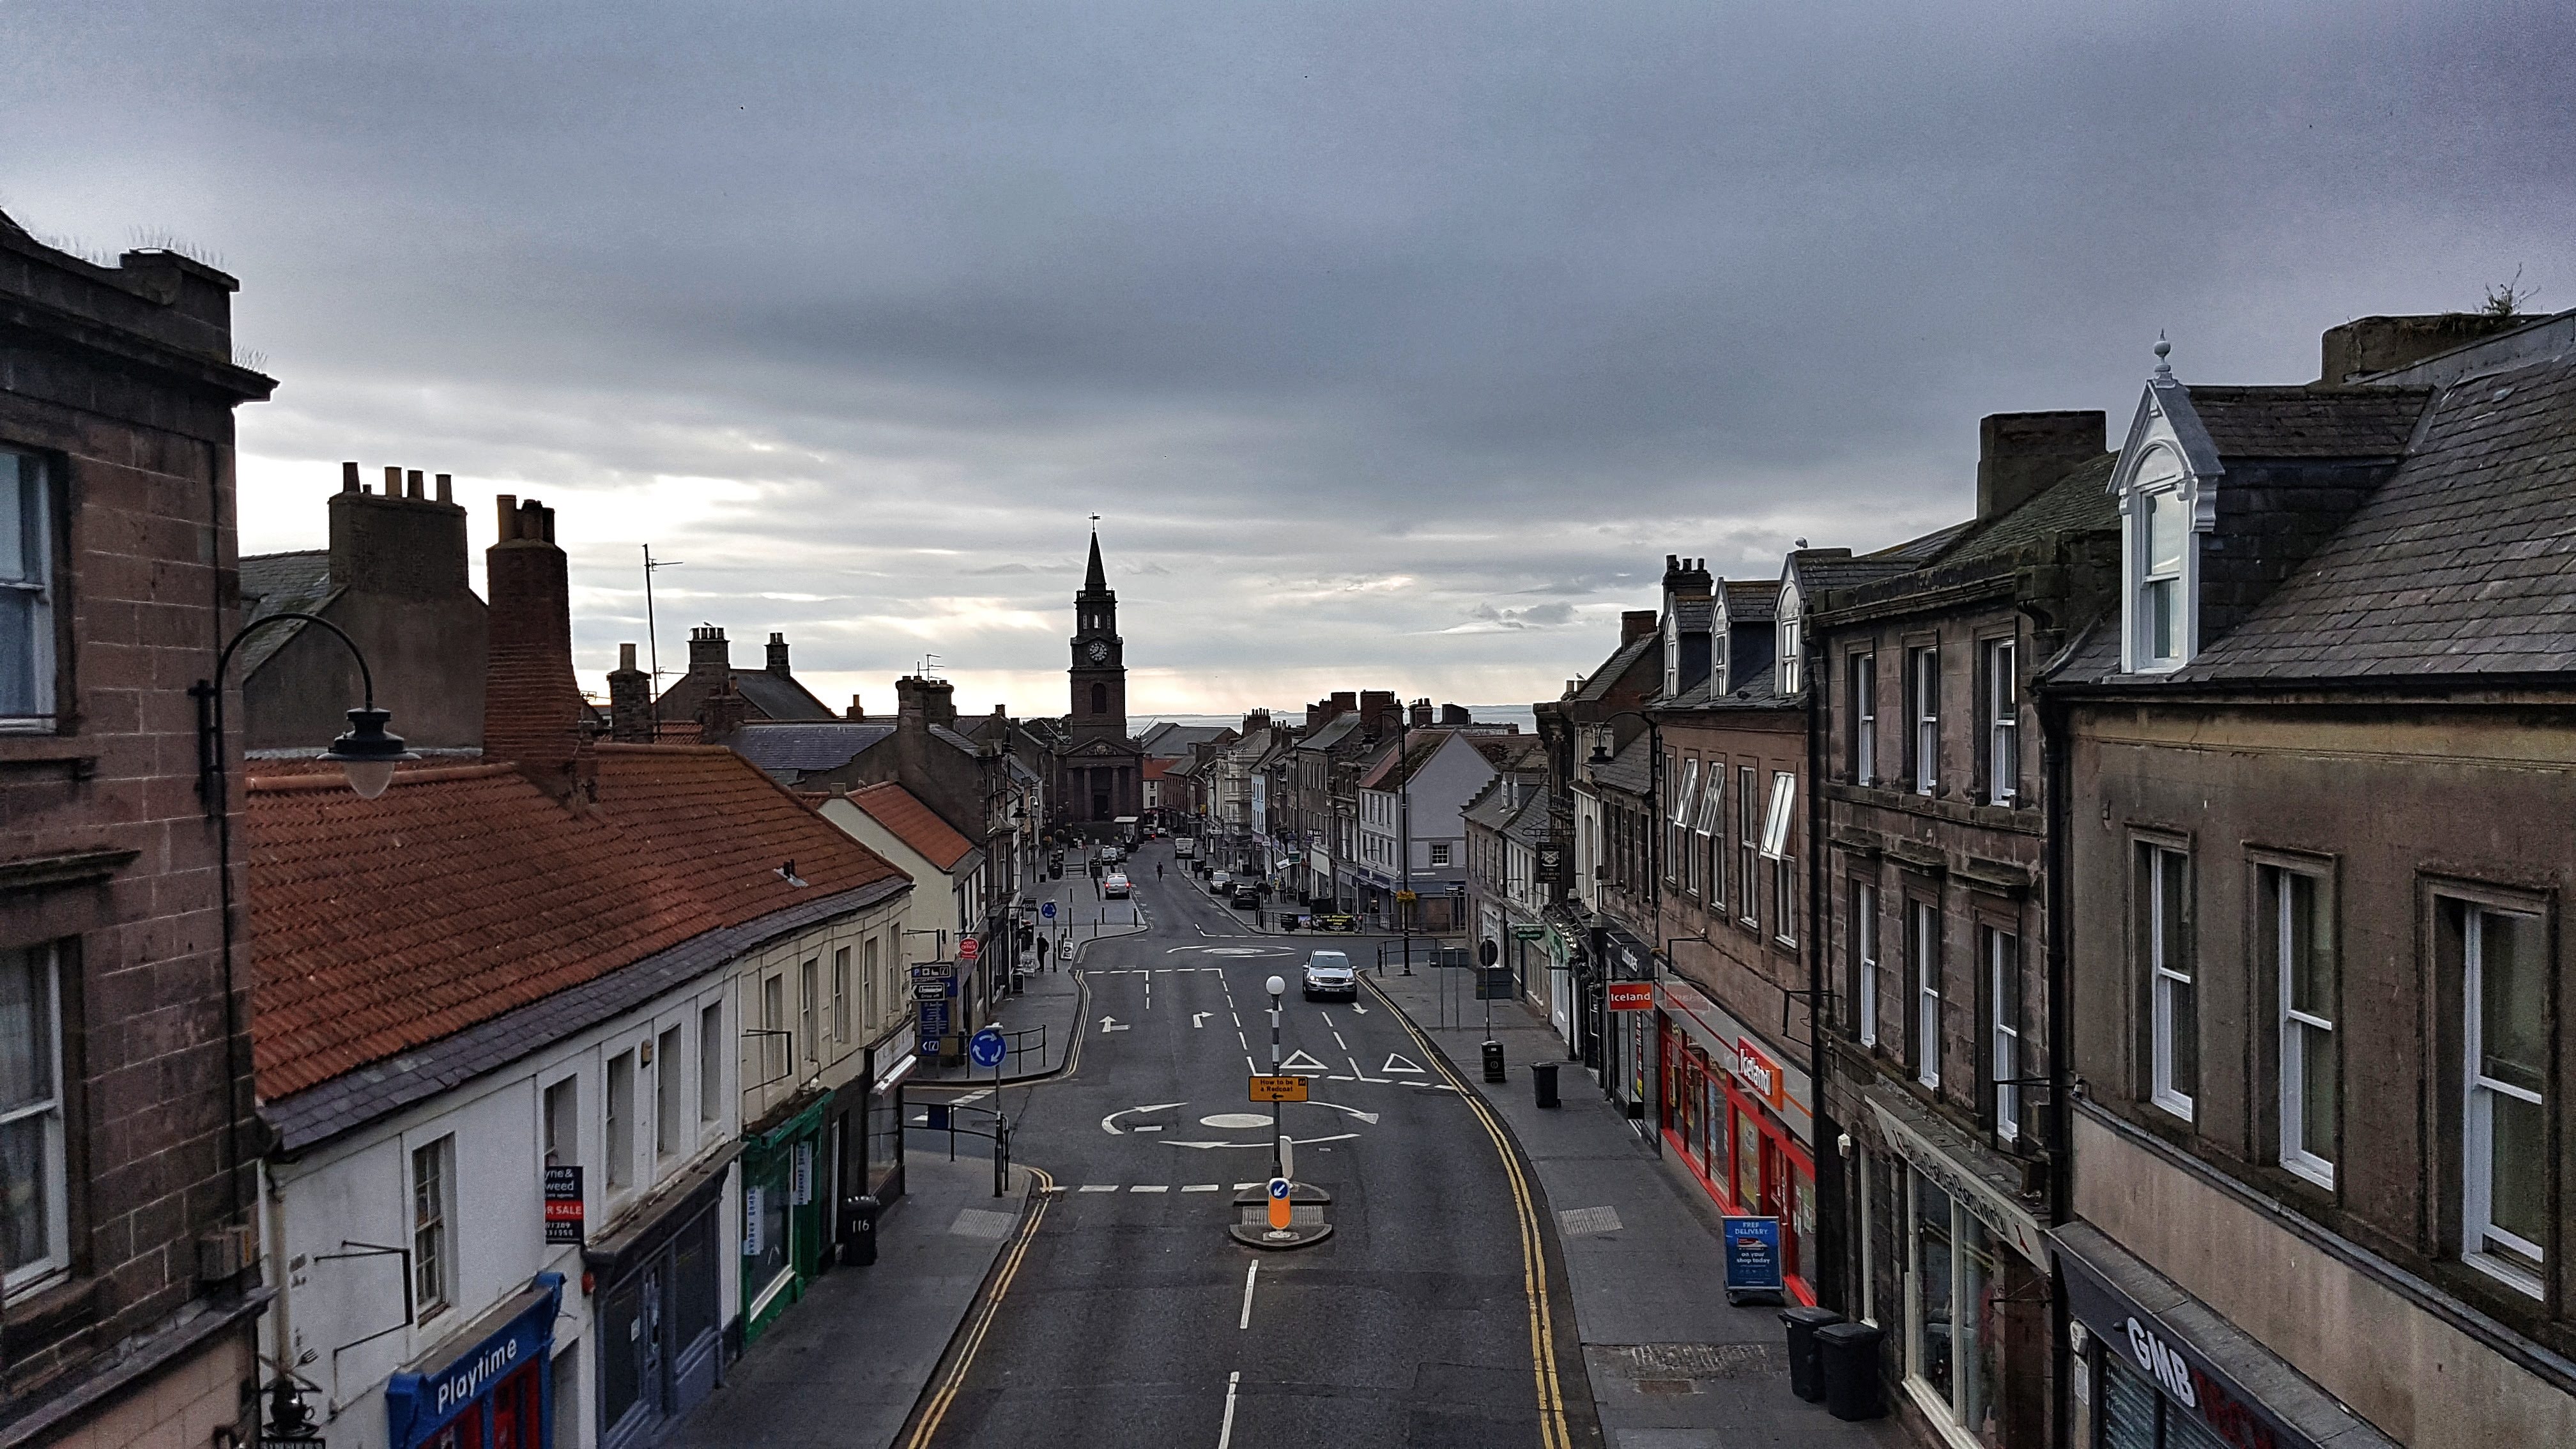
(2165, 482)
(2160, 602)
(1788, 627)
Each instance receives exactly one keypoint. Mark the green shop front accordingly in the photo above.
(786, 1218)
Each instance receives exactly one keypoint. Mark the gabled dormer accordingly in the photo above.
(1787, 653)
(1743, 634)
(2222, 491)
(1686, 624)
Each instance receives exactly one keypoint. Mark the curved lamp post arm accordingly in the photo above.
(368, 752)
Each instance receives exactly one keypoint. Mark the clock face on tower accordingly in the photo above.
(1098, 651)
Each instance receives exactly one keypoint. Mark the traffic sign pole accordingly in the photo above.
(1278, 1167)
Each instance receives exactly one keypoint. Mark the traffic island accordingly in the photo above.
(1281, 1214)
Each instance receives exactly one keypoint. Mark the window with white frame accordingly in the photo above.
(1923, 716)
(1776, 824)
(2164, 518)
(2173, 1015)
(809, 1007)
(670, 1092)
(773, 1026)
(841, 996)
(1787, 624)
(1711, 830)
(34, 1235)
(1685, 812)
(562, 1125)
(1864, 950)
(618, 1136)
(433, 1243)
(1439, 853)
(711, 1055)
(1923, 955)
(2003, 993)
(1748, 845)
(2003, 725)
(26, 592)
(1864, 717)
(2294, 945)
(2503, 971)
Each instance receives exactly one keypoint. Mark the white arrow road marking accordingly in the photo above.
(1397, 1065)
(1199, 1018)
(1146, 1127)
(1362, 1010)
(1111, 1023)
(1300, 1062)
(1109, 1124)
(1368, 1117)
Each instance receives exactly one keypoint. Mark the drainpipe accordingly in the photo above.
(1828, 1135)
(2061, 1030)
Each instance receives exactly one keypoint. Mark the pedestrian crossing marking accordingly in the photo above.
(1396, 1063)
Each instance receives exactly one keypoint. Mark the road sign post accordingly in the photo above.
(1281, 1214)
(1278, 1164)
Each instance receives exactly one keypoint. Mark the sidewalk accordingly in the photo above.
(1672, 1366)
(1048, 1000)
(844, 1367)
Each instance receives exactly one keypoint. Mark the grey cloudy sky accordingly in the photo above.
(1397, 343)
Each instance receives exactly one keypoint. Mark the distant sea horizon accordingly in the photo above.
(1520, 715)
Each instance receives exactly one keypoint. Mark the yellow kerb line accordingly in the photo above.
(928, 1427)
(1553, 1430)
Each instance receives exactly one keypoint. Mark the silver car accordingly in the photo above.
(1329, 974)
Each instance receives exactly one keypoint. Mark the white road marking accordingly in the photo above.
(1362, 1010)
(1158, 1187)
(1109, 1124)
(1245, 1186)
(1110, 1023)
(1251, 1275)
(1300, 1062)
(1300, 1141)
(1098, 1187)
(1146, 1127)
(1248, 1065)
(1397, 1065)
(1199, 1018)
(1225, 1435)
(1204, 1187)
(1346, 1046)
(977, 1095)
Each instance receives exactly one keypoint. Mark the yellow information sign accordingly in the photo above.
(1407, 897)
(1279, 1089)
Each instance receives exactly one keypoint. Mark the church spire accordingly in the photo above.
(1095, 581)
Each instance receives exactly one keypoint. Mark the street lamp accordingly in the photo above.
(366, 753)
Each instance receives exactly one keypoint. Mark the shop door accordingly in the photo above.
(518, 1409)
(694, 1343)
(633, 1398)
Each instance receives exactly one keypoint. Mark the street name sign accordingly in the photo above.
(1278, 1089)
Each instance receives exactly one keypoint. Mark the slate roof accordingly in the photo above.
(1333, 731)
(915, 824)
(1632, 769)
(2463, 562)
(1171, 741)
(792, 750)
(1528, 824)
(2304, 422)
(1598, 684)
(1695, 616)
(1754, 601)
(275, 583)
(779, 696)
(1915, 552)
(1818, 569)
(1489, 810)
(380, 927)
(1754, 693)
(2078, 502)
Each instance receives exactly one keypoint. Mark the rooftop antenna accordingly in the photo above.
(653, 639)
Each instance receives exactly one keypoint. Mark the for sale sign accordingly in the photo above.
(563, 1205)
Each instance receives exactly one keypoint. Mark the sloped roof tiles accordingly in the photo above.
(913, 823)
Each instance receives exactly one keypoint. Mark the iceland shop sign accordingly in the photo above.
(508, 1345)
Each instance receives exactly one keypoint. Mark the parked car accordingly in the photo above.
(1219, 881)
(1114, 886)
(1329, 973)
(1184, 848)
(1247, 896)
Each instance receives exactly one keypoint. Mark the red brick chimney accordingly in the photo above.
(721, 716)
(630, 700)
(1635, 624)
(531, 707)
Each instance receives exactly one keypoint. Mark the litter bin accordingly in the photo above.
(1847, 1355)
(1805, 1379)
(1493, 1061)
(859, 1231)
(1543, 1079)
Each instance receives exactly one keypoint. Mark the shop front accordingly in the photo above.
(784, 1225)
(1741, 1121)
(1627, 1038)
(2158, 1369)
(1961, 1265)
(659, 1339)
(1564, 971)
(485, 1386)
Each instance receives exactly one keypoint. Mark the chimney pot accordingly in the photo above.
(858, 713)
(349, 479)
(393, 482)
(444, 495)
(625, 656)
(413, 491)
(778, 653)
(509, 517)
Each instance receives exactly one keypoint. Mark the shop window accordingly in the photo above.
(1864, 952)
(1923, 958)
(1748, 1162)
(670, 1093)
(2294, 949)
(710, 1064)
(2499, 958)
(620, 1133)
(433, 1246)
(26, 593)
(2164, 930)
(34, 1234)
(2003, 992)
(1954, 1338)
(1864, 714)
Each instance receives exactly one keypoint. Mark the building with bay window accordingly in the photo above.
(2318, 762)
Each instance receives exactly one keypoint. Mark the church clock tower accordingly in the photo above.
(1099, 670)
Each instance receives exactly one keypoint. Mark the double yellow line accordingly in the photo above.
(926, 1427)
(1553, 1431)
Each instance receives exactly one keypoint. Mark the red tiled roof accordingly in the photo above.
(1156, 766)
(464, 891)
(913, 823)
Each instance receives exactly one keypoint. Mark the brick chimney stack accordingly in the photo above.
(1635, 624)
(921, 703)
(858, 713)
(2020, 454)
(709, 654)
(778, 654)
(531, 706)
(722, 714)
(397, 542)
(630, 700)
(1377, 711)
(1419, 715)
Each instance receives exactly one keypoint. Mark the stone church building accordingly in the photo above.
(1099, 771)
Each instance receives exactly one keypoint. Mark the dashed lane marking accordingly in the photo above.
(1157, 1187)
(1097, 1187)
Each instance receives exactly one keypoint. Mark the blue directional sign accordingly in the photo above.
(1046, 910)
(1278, 1187)
(986, 1047)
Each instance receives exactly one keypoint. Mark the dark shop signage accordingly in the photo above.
(2186, 1377)
(563, 1205)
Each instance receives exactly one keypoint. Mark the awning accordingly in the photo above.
(1981, 1181)
(2203, 1364)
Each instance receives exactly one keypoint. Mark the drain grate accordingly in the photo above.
(1664, 1362)
(1583, 1222)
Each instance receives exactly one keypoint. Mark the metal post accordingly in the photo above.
(1277, 1158)
(1403, 840)
(1001, 1152)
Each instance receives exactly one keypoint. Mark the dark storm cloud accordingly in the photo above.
(1361, 323)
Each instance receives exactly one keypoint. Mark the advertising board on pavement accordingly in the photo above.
(1752, 1259)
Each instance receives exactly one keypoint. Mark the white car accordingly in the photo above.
(1219, 881)
(1329, 973)
(1184, 847)
(1113, 886)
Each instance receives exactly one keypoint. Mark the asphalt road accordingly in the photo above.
(1133, 1319)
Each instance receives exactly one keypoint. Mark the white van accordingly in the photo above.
(1184, 848)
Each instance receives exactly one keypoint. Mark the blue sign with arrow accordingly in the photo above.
(1046, 910)
(986, 1047)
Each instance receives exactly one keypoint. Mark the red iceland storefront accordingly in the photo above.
(1742, 1120)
